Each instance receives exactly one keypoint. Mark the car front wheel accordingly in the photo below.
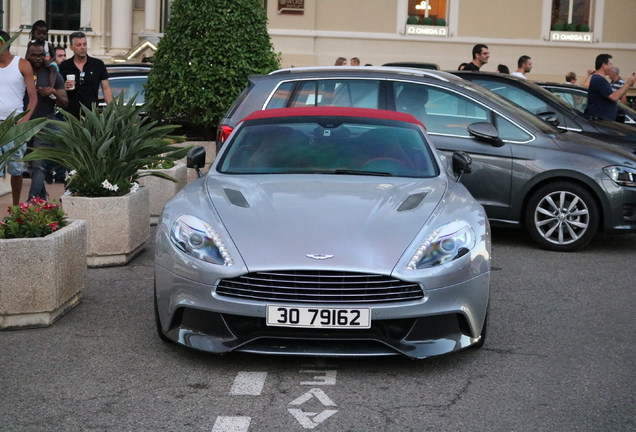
(562, 217)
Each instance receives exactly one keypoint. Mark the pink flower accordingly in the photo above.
(53, 225)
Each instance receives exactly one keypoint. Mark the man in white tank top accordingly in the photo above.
(16, 77)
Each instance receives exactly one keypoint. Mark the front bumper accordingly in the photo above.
(446, 320)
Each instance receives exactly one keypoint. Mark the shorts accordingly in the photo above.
(14, 168)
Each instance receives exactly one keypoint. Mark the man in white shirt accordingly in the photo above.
(16, 77)
(524, 66)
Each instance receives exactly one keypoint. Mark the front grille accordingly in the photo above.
(310, 286)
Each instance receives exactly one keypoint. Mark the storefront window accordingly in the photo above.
(577, 14)
(63, 14)
(433, 9)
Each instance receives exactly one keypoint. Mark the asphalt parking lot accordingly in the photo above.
(559, 357)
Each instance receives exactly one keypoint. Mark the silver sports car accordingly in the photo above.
(325, 231)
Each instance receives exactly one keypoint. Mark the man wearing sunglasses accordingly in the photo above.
(89, 73)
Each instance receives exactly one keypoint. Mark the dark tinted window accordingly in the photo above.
(345, 148)
(442, 111)
(341, 93)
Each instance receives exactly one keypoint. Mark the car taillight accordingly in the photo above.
(222, 133)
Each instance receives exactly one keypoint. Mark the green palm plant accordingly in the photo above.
(12, 131)
(105, 151)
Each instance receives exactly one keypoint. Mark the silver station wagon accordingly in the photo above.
(562, 186)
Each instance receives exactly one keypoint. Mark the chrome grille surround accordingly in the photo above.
(317, 286)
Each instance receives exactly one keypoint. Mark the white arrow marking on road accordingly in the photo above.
(305, 420)
(231, 424)
(319, 394)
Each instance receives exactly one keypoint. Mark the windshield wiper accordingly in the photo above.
(359, 172)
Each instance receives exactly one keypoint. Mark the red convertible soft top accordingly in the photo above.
(333, 112)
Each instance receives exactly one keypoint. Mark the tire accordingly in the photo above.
(162, 336)
(562, 217)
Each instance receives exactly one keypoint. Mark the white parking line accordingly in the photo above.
(248, 383)
(231, 424)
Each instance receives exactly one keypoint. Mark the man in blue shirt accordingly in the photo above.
(601, 97)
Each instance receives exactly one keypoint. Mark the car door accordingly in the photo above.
(446, 114)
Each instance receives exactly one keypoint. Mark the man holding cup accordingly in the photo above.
(83, 74)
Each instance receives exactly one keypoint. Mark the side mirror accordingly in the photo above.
(461, 164)
(485, 131)
(549, 117)
(196, 159)
(621, 116)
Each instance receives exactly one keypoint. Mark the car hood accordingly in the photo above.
(578, 143)
(357, 223)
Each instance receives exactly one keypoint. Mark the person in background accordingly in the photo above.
(462, 66)
(49, 94)
(502, 68)
(60, 55)
(89, 73)
(570, 78)
(341, 61)
(524, 66)
(16, 77)
(601, 97)
(616, 81)
(480, 58)
(355, 61)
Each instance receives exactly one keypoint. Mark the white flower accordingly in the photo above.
(71, 174)
(106, 185)
(134, 188)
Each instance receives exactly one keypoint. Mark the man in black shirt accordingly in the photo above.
(480, 58)
(89, 73)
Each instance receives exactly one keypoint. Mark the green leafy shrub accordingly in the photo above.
(37, 218)
(413, 19)
(583, 27)
(11, 130)
(558, 26)
(207, 52)
(427, 21)
(440, 22)
(104, 152)
(570, 27)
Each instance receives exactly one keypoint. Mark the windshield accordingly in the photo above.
(329, 146)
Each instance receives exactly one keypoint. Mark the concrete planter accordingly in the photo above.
(117, 226)
(42, 278)
(162, 190)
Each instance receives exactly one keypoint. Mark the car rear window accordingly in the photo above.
(355, 93)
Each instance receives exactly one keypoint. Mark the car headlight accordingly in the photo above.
(197, 238)
(446, 243)
(621, 175)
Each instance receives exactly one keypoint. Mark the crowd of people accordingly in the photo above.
(39, 84)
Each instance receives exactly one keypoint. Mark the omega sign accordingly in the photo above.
(426, 30)
(571, 37)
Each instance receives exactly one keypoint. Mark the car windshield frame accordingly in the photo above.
(329, 145)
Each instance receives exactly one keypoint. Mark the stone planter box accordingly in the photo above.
(42, 278)
(117, 227)
(162, 190)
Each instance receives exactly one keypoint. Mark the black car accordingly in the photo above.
(416, 65)
(562, 186)
(550, 107)
(577, 97)
(127, 78)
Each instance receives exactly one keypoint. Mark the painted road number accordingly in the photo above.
(315, 317)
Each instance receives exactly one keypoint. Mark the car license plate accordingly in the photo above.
(318, 317)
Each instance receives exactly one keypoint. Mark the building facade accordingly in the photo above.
(559, 35)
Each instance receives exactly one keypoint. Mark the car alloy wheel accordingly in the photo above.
(562, 217)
